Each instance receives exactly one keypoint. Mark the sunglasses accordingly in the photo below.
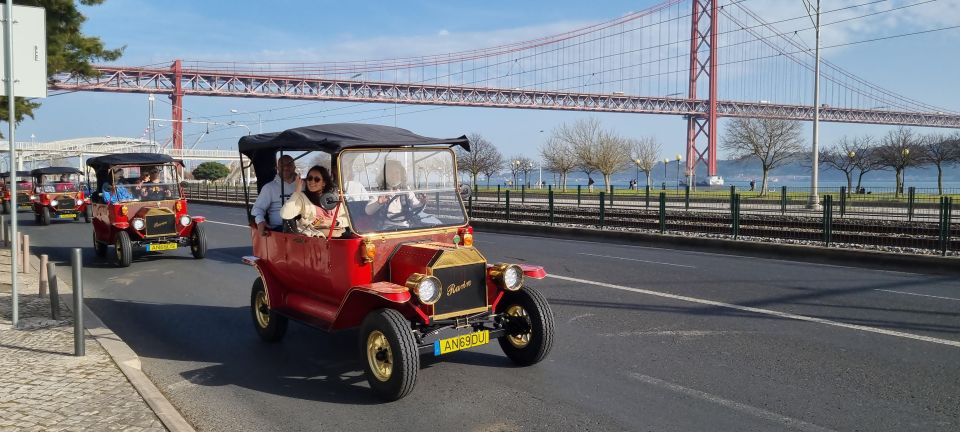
(314, 179)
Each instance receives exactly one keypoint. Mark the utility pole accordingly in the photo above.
(814, 202)
(11, 117)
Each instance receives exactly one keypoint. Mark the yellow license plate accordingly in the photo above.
(161, 247)
(457, 343)
(67, 216)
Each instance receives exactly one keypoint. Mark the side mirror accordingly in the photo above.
(329, 200)
(465, 191)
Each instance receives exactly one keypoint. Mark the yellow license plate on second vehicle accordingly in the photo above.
(67, 216)
(161, 247)
(457, 343)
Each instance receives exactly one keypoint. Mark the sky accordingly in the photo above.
(922, 66)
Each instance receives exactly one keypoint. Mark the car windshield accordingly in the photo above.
(59, 183)
(398, 190)
(144, 183)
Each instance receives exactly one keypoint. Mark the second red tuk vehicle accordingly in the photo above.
(404, 269)
(24, 188)
(58, 195)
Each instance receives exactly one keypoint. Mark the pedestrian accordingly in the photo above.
(590, 183)
(753, 183)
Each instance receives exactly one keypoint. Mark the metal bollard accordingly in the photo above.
(25, 254)
(3, 232)
(54, 292)
(76, 261)
(44, 280)
(7, 234)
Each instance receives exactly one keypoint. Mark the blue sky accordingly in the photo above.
(922, 67)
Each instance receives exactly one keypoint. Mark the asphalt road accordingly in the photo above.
(647, 339)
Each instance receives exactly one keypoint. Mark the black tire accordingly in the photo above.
(99, 248)
(198, 242)
(86, 215)
(123, 255)
(386, 340)
(45, 216)
(270, 325)
(530, 347)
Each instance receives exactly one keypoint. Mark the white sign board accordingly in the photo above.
(29, 52)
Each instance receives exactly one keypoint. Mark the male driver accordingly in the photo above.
(113, 191)
(266, 210)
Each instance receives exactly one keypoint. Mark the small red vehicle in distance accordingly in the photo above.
(138, 205)
(58, 195)
(401, 264)
(24, 190)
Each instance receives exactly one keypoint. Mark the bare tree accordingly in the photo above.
(582, 136)
(482, 154)
(941, 150)
(518, 165)
(558, 156)
(645, 153)
(840, 157)
(865, 158)
(900, 148)
(494, 165)
(611, 154)
(773, 142)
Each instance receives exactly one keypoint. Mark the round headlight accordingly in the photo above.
(508, 276)
(54, 202)
(185, 220)
(427, 288)
(79, 202)
(138, 224)
(33, 197)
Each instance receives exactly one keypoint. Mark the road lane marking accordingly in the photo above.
(734, 405)
(580, 316)
(921, 295)
(225, 223)
(679, 333)
(786, 315)
(637, 260)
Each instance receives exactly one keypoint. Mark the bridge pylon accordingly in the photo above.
(702, 128)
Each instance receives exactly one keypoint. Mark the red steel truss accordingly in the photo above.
(703, 33)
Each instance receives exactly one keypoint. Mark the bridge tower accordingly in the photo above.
(176, 100)
(702, 128)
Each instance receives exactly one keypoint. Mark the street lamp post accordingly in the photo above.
(259, 119)
(679, 158)
(664, 185)
(814, 202)
(903, 173)
(851, 154)
(637, 181)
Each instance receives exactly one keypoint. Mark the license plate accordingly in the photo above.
(67, 216)
(161, 247)
(457, 343)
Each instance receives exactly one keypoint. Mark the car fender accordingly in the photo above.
(363, 299)
(533, 271)
(199, 219)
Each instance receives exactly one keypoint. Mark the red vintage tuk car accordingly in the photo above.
(138, 205)
(58, 195)
(24, 187)
(404, 270)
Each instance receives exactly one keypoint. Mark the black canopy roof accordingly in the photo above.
(55, 170)
(6, 174)
(100, 163)
(262, 149)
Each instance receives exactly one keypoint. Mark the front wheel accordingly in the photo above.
(86, 215)
(124, 250)
(270, 325)
(198, 242)
(45, 216)
(529, 325)
(390, 350)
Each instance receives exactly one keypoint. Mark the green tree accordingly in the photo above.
(68, 50)
(210, 171)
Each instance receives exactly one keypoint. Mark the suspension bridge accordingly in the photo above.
(700, 59)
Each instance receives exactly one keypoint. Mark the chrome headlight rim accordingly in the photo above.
(138, 224)
(417, 284)
(54, 202)
(79, 202)
(503, 273)
(185, 220)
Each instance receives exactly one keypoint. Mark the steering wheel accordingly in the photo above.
(407, 211)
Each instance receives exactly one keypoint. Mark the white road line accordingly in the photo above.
(787, 315)
(783, 420)
(921, 295)
(225, 223)
(637, 260)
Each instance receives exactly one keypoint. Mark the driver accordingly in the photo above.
(400, 208)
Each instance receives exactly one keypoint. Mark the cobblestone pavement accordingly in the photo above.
(43, 387)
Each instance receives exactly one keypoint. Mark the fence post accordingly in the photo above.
(686, 197)
(498, 194)
(550, 198)
(507, 200)
(827, 219)
(733, 191)
(783, 200)
(54, 292)
(648, 196)
(76, 262)
(3, 231)
(843, 200)
(602, 209)
(735, 216)
(578, 195)
(946, 213)
(663, 212)
(911, 195)
(470, 208)
(523, 194)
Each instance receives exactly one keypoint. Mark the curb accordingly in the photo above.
(123, 356)
(816, 254)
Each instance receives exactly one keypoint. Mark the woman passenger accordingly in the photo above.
(303, 210)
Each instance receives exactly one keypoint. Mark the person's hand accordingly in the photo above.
(382, 199)
(298, 184)
(262, 229)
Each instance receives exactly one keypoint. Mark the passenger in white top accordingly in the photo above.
(266, 210)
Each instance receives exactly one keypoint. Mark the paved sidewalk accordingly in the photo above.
(43, 387)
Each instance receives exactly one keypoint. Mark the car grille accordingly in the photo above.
(161, 224)
(464, 287)
(66, 203)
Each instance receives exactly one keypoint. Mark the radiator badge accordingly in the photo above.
(454, 288)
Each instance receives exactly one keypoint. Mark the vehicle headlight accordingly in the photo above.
(138, 224)
(79, 202)
(33, 197)
(508, 276)
(185, 220)
(427, 288)
(54, 202)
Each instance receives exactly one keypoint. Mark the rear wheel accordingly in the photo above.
(529, 324)
(99, 248)
(270, 325)
(45, 216)
(392, 361)
(198, 242)
(124, 250)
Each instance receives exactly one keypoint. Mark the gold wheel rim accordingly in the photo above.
(379, 355)
(261, 303)
(519, 341)
(119, 252)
